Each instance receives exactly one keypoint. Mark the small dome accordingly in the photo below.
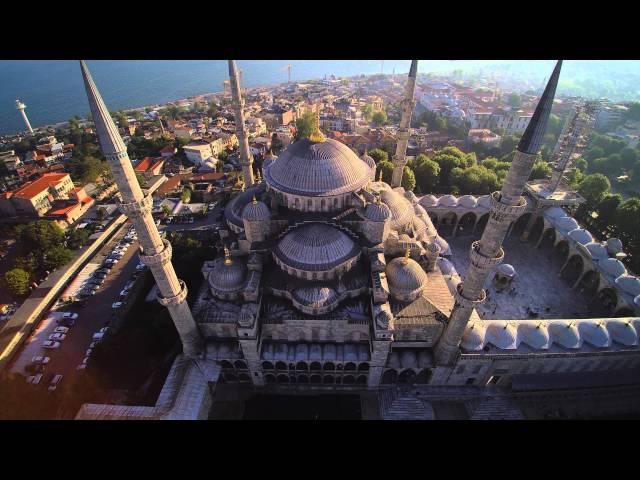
(371, 163)
(473, 338)
(629, 284)
(401, 209)
(597, 251)
(595, 333)
(227, 278)
(444, 246)
(612, 267)
(419, 210)
(447, 201)
(429, 201)
(446, 267)
(534, 335)
(268, 161)
(507, 270)
(565, 334)
(581, 235)
(255, 212)
(502, 335)
(408, 359)
(405, 277)
(409, 195)
(637, 301)
(468, 201)
(377, 212)
(555, 213)
(614, 246)
(484, 201)
(623, 332)
(315, 297)
(566, 224)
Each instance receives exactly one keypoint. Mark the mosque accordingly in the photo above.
(332, 280)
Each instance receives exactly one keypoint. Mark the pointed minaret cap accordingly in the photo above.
(108, 135)
(413, 71)
(533, 136)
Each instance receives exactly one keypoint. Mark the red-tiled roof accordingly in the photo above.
(148, 163)
(207, 177)
(169, 185)
(47, 180)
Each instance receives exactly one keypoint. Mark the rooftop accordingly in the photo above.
(34, 188)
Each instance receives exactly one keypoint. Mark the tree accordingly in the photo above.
(581, 164)
(186, 195)
(509, 144)
(514, 100)
(593, 188)
(39, 236)
(379, 118)
(628, 157)
(633, 112)
(627, 217)
(56, 257)
(367, 111)
(607, 208)
(17, 281)
(165, 210)
(379, 155)
(101, 213)
(77, 238)
(306, 125)
(427, 174)
(603, 166)
(476, 179)
(541, 169)
(85, 169)
(408, 179)
(387, 171)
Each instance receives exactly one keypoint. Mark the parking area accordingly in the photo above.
(91, 298)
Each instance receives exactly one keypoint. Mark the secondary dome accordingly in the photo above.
(369, 161)
(507, 269)
(447, 201)
(536, 336)
(468, 201)
(555, 212)
(613, 267)
(597, 251)
(581, 235)
(484, 201)
(566, 224)
(406, 278)
(227, 278)
(317, 169)
(419, 210)
(256, 211)
(401, 209)
(377, 212)
(409, 195)
(319, 298)
(629, 284)
(313, 248)
(614, 245)
(429, 201)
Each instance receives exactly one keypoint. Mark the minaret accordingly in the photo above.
(246, 159)
(506, 205)
(156, 252)
(408, 103)
(21, 106)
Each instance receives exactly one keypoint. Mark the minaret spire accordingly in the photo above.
(246, 159)
(408, 103)
(506, 206)
(156, 252)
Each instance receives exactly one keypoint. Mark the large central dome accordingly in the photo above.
(325, 168)
(318, 249)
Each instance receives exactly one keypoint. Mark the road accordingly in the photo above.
(95, 315)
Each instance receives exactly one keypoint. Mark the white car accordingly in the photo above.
(57, 336)
(51, 344)
(61, 330)
(72, 316)
(55, 381)
(93, 344)
(140, 266)
(97, 336)
(103, 330)
(82, 366)
(124, 293)
(116, 304)
(40, 360)
(34, 379)
(111, 261)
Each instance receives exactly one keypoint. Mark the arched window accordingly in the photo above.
(226, 364)
(362, 380)
(316, 379)
(301, 366)
(389, 377)
(328, 380)
(283, 378)
(350, 366)
(329, 366)
(281, 366)
(267, 366)
(303, 379)
(348, 380)
(363, 367)
(316, 366)
(268, 378)
(230, 377)
(240, 365)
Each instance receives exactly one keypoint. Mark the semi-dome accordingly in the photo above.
(409, 195)
(406, 277)
(429, 201)
(502, 335)
(565, 334)
(597, 251)
(555, 213)
(227, 276)
(614, 246)
(419, 210)
(613, 267)
(566, 224)
(473, 337)
(484, 201)
(377, 212)
(371, 163)
(581, 235)
(629, 284)
(534, 335)
(446, 267)
(594, 333)
(507, 269)
(317, 169)
(623, 332)
(401, 209)
(468, 201)
(447, 201)
(255, 211)
(316, 297)
(315, 247)
(444, 246)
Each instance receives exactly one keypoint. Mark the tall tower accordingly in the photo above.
(246, 159)
(506, 205)
(156, 252)
(408, 103)
(21, 106)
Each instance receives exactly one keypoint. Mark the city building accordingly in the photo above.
(35, 198)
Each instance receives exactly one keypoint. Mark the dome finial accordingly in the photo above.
(316, 135)
(254, 201)
(227, 256)
(380, 176)
(407, 254)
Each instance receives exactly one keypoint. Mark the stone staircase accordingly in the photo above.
(495, 408)
(403, 406)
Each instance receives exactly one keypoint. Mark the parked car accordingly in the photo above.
(61, 330)
(57, 336)
(51, 344)
(124, 293)
(55, 382)
(73, 316)
(82, 366)
(140, 266)
(97, 281)
(34, 379)
(93, 344)
(100, 275)
(66, 322)
(41, 360)
(116, 304)
(88, 352)
(191, 220)
(103, 330)
(34, 368)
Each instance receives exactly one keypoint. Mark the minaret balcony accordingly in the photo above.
(160, 258)
(466, 302)
(175, 300)
(501, 211)
(481, 261)
(137, 209)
